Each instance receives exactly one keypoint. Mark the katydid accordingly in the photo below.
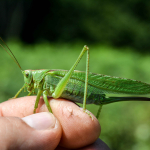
(79, 86)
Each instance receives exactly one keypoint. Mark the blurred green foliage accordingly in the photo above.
(118, 23)
(125, 125)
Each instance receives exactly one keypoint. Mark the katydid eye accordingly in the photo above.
(27, 74)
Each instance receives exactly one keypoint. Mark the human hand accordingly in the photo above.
(67, 127)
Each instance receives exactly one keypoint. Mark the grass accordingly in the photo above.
(125, 125)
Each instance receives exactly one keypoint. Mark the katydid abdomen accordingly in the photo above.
(74, 89)
(98, 86)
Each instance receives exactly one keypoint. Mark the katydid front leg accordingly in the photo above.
(19, 92)
(63, 82)
(45, 94)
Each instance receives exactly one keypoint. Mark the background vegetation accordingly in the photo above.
(51, 34)
(119, 23)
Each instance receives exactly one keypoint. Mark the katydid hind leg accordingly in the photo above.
(63, 82)
(99, 111)
(86, 80)
(37, 100)
(45, 94)
(87, 112)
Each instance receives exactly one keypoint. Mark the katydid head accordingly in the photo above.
(27, 76)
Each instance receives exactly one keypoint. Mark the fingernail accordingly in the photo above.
(40, 121)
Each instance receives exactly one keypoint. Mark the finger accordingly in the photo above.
(19, 107)
(78, 128)
(16, 134)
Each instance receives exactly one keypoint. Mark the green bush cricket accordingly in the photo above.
(79, 86)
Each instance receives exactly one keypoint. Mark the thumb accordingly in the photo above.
(37, 131)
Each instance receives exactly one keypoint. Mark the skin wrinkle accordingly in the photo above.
(24, 142)
(13, 128)
(68, 111)
(1, 142)
(21, 143)
(6, 129)
(7, 125)
(56, 136)
(1, 111)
